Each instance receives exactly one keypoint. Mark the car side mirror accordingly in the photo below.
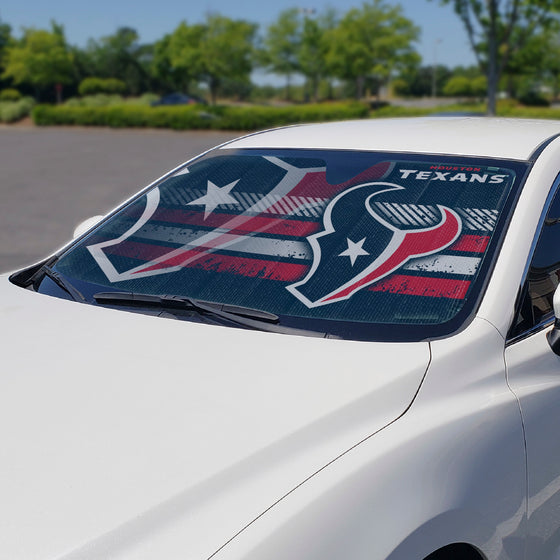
(87, 224)
(554, 335)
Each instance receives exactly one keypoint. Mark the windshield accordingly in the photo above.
(366, 246)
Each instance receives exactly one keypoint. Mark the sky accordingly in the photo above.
(443, 39)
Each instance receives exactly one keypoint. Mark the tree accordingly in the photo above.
(313, 48)
(178, 55)
(41, 58)
(226, 51)
(166, 76)
(5, 41)
(370, 43)
(550, 61)
(463, 86)
(281, 46)
(219, 49)
(497, 30)
(121, 56)
(538, 63)
(418, 81)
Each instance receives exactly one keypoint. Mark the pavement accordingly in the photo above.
(52, 178)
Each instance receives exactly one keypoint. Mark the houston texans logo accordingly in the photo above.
(358, 247)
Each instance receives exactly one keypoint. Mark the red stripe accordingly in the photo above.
(275, 226)
(252, 268)
(271, 270)
(471, 244)
(137, 250)
(290, 272)
(316, 184)
(423, 286)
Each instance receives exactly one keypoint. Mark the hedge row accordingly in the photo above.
(530, 112)
(106, 100)
(195, 116)
(91, 86)
(12, 111)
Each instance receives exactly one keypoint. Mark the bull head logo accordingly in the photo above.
(357, 247)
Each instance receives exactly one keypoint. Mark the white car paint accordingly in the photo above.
(500, 138)
(217, 446)
(148, 433)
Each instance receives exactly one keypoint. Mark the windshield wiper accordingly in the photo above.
(179, 302)
(243, 316)
(61, 282)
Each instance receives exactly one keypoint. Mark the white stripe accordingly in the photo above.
(286, 204)
(381, 207)
(398, 214)
(492, 216)
(471, 223)
(424, 216)
(429, 213)
(408, 211)
(302, 206)
(478, 217)
(261, 205)
(247, 202)
(293, 205)
(316, 205)
(244, 243)
(447, 264)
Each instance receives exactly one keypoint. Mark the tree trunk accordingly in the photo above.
(360, 82)
(315, 89)
(492, 60)
(330, 95)
(288, 80)
(214, 83)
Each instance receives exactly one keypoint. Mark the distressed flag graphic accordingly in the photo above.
(387, 228)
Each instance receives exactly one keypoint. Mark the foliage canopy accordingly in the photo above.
(497, 30)
(41, 58)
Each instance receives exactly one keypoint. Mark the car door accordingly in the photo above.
(533, 371)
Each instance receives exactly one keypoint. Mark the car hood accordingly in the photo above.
(129, 436)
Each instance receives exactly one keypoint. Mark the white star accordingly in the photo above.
(215, 196)
(354, 250)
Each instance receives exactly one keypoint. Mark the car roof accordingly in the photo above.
(471, 136)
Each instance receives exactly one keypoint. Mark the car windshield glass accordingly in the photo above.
(357, 245)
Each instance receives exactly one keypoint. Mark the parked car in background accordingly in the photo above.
(321, 342)
(178, 99)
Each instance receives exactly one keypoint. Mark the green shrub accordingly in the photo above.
(400, 87)
(119, 116)
(533, 99)
(10, 94)
(479, 86)
(97, 100)
(252, 118)
(396, 111)
(92, 86)
(106, 100)
(530, 112)
(192, 117)
(457, 86)
(12, 111)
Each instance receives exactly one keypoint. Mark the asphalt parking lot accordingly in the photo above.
(53, 178)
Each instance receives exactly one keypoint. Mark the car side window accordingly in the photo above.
(543, 276)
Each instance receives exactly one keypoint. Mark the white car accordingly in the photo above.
(322, 342)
